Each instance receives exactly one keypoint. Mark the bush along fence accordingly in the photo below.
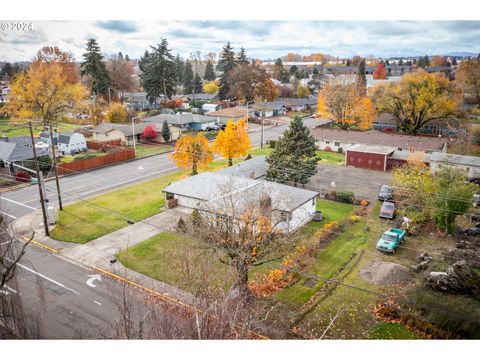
(86, 164)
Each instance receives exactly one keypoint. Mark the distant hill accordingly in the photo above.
(461, 53)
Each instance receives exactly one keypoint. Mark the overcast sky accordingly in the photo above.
(262, 39)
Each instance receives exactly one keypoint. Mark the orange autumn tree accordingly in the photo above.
(192, 151)
(341, 102)
(233, 141)
(380, 72)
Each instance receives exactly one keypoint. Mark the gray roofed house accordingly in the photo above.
(18, 150)
(214, 192)
(470, 164)
(202, 96)
(254, 168)
(186, 120)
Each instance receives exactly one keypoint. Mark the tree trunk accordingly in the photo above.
(240, 287)
(230, 162)
(194, 169)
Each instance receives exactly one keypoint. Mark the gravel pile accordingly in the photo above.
(385, 273)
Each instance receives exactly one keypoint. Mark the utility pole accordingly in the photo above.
(39, 181)
(133, 136)
(261, 138)
(60, 205)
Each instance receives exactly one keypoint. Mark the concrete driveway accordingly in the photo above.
(362, 182)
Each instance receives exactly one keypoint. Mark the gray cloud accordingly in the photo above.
(187, 34)
(123, 27)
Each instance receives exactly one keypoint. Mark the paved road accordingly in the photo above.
(21, 202)
(66, 306)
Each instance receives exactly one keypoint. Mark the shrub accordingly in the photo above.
(181, 226)
(195, 217)
(327, 148)
(154, 112)
(117, 113)
(364, 203)
(272, 144)
(346, 197)
(339, 150)
(248, 157)
(354, 218)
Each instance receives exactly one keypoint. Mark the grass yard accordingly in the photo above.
(84, 221)
(12, 130)
(391, 331)
(325, 156)
(162, 257)
(147, 149)
(67, 159)
(332, 211)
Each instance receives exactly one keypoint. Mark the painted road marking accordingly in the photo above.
(19, 203)
(4, 213)
(98, 303)
(92, 279)
(6, 242)
(46, 278)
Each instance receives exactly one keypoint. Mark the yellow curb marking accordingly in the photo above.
(24, 238)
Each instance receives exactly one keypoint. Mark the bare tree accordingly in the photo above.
(15, 322)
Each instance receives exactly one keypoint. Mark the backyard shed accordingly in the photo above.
(369, 157)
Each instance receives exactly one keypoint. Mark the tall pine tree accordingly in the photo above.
(209, 72)
(226, 63)
(294, 158)
(361, 82)
(279, 72)
(197, 84)
(242, 57)
(158, 71)
(188, 78)
(94, 67)
(166, 134)
(178, 71)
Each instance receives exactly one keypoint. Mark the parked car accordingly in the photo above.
(214, 127)
(390, 240)
(387, 211)
(22, 176)
(473, 231)
(385, 193)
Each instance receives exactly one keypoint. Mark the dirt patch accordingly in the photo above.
(385, 273)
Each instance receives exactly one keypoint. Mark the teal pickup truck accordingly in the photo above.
(390, 240)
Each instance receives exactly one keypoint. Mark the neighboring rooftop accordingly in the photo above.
(104, 128)
(179, 119)
(375, 137)
(254, 168)
(234, 112)
(455, 159)
(372, 149)
(18, 149)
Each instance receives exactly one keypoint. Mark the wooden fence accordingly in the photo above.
(98, 145)
(95, 162)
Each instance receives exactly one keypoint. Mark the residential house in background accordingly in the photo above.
(211, 107)
(254, 168)
(469, 164)
(185, 121)
(125, 133)
(442, 127)
(18, 150)
(222, 116)
(138, 101)
(71, 143)
(4, 91)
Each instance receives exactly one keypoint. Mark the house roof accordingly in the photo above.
(64, 138)
(215, 188)
(372, 149)
(179, 119)
(455, 159)
(253, 168)
(104, 128)
(375, 137)
(18, 150)
(207, 97)
(233, 112)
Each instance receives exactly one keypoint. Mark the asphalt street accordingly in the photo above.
(72, 302)
(21, 202)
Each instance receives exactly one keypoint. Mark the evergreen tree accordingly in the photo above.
(348, 63)
(188, 78)
(209, 72)
(94, 67)
(400, 62)
(454, 61)
(361, 78)
(197, 84)
(294, 157)
(226, 63)
(178, 70)
(279, 72)
(127, 58)
(242, 57)
(166, 134)
(293, 70)
(315, 71)
(158, 71)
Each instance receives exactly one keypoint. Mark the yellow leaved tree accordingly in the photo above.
(192, 151)
(341, 102)
(43, 92)
(233, 141)
(211, 87)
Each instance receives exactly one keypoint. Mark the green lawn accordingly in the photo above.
(84, 221)
(67, 159)
(12, 130)
(162, 257)
(391, 331)
(325, 156)
(147, 150)
(332, 211)
(327, 263)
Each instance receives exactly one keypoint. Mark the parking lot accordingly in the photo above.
(362, 182)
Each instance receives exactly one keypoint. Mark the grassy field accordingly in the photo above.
(325, 156)
(84, 221)
(12, 130)
(391, 331)
(332, 211)
(67, 159)
(147, 150)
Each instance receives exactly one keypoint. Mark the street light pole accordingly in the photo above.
(133, 135)
(60, 205)
(261, 138)
(39, 181)
(248, 102)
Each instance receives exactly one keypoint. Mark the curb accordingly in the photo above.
(39, 244)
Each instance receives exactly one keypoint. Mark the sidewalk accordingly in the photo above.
(98, 253)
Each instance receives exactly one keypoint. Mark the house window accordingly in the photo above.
(400, 149)
(284, 216)
(327, 142)
(337, 144)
